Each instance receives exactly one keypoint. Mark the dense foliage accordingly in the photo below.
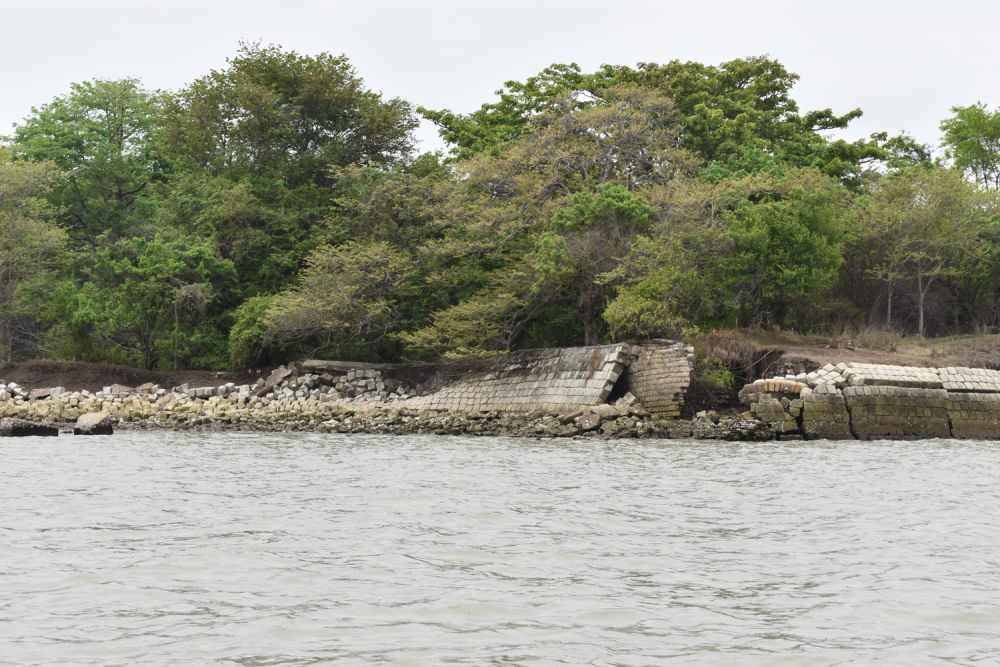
(277, 208)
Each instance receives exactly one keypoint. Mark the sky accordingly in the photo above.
(904, 63)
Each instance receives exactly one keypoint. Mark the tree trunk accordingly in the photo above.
(888, 310)
(923, 286)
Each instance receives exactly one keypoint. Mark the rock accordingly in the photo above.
(94, 423)
(710, 416)
(16, 428)
(626, 400)
(606, 411)
(38, 394)
(277, 376)
(589, 421)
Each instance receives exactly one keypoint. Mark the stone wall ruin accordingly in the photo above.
(875, 401)
(651, 377)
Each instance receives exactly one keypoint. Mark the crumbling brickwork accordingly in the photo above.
(659, 376)
(566, 379)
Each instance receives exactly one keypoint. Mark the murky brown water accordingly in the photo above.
(170, 548)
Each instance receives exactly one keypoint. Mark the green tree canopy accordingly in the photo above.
(148, 300)
(972, 141)
(277, 113)
(733, 115)
(923, 226)
(102, 135)
(30, 241)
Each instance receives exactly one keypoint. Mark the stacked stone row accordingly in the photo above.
(981, 380)
(974, 415)
(825, 415)
(897, 412)
(892, 376)
(884, 401)
(779, 415)
(660, 374)
(556, 381)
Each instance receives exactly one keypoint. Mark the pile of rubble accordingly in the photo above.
(361, 385)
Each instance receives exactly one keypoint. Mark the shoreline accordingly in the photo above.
(636, 390)
(603, 421)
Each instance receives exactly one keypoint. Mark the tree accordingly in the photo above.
(587, 241)
(972, 141)
(277, 113)
(255, 147)
(535, 225)
(30, 241)
(926, 225)
(102, 135)
(495, 125)
(730, 115)
(783, 251)
(150, 299)
(347, 295)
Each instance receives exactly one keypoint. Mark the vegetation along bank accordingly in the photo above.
(277, 209)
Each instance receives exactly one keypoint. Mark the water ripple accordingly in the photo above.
(249, 549)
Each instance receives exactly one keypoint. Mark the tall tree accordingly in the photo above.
(733, 115)
(549, 213)
(102, 134)
(927, 225)
(150, 300)
(588, 240)
(972, 141)
(30, 241)
(277, 113)
(349, 295)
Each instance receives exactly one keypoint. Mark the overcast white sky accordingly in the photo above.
(904, 62)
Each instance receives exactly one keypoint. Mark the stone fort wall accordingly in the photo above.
(872, 401)
(656, 373)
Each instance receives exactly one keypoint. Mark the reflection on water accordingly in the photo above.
(154, 548)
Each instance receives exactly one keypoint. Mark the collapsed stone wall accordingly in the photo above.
(560, 381)
(826, 414)
(659, 376)
(869, 401)
(655, 373)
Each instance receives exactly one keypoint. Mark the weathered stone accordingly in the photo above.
(277, 376)
(17, 428)
(589, 421)
(94, 423)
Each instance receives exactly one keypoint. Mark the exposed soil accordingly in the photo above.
(975, 351)
(77, 375)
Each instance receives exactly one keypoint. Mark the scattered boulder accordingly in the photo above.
(18, 428)
(94, 423)
(589, 421)
(276, 377)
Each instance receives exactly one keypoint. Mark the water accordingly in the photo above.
(179, 548)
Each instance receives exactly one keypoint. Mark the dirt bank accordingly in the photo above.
(780, 348)
(78, 375)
